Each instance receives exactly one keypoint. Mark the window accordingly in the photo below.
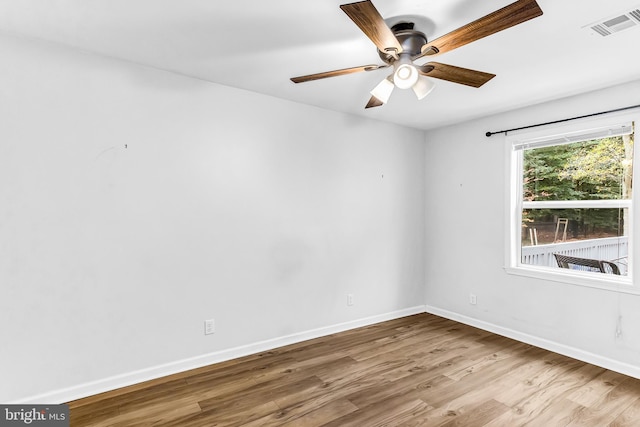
(570, 207)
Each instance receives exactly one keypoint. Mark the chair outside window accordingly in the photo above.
(586, 264)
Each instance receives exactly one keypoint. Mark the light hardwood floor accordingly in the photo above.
(421, 370)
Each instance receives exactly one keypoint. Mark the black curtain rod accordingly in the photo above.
(488, 134)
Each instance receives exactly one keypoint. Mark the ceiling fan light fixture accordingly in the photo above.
(405, 76)
(383, 90)
(423, 87)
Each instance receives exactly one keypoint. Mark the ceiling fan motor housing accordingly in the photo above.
(411, 41)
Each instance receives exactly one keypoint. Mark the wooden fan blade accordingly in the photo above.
(335, 73)
(455, 74)
(367, 17)
(513, 14)
(374, 102)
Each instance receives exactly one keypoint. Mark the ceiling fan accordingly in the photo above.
(400, 45)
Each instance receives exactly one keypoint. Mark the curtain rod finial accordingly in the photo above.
(488, 134)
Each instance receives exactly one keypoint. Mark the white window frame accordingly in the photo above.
(515, 142)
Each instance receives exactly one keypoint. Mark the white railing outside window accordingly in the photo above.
(614, 249)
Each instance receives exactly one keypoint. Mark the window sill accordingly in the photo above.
(608, 282)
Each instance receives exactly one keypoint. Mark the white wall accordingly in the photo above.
(135, 203)
(465, 253)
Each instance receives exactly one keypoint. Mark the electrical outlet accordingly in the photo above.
(209, 326)
(472, 299)
(349, 299)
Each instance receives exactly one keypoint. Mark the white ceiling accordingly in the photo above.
(258, 45)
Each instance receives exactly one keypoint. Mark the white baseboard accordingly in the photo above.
(585, 356)
(123, 380)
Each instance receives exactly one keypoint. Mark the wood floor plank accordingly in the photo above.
(271, 391)
(401, 341)
(549, 396)
(479, 364)
(157, 414)
(409, 386)
(531, 377)
(441, 395)
(305, 415)
(559, 413)
(386, 414)
(628, 418)
(592, 392)
(340, 384)
(420, 370)
(474, 414)
(215, 418)
(609, 405)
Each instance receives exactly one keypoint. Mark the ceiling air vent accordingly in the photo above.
(617, 23)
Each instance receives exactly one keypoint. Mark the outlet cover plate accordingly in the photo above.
(349, 299)
(209, 327)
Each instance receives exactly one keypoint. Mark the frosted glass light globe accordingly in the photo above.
(405, 76)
